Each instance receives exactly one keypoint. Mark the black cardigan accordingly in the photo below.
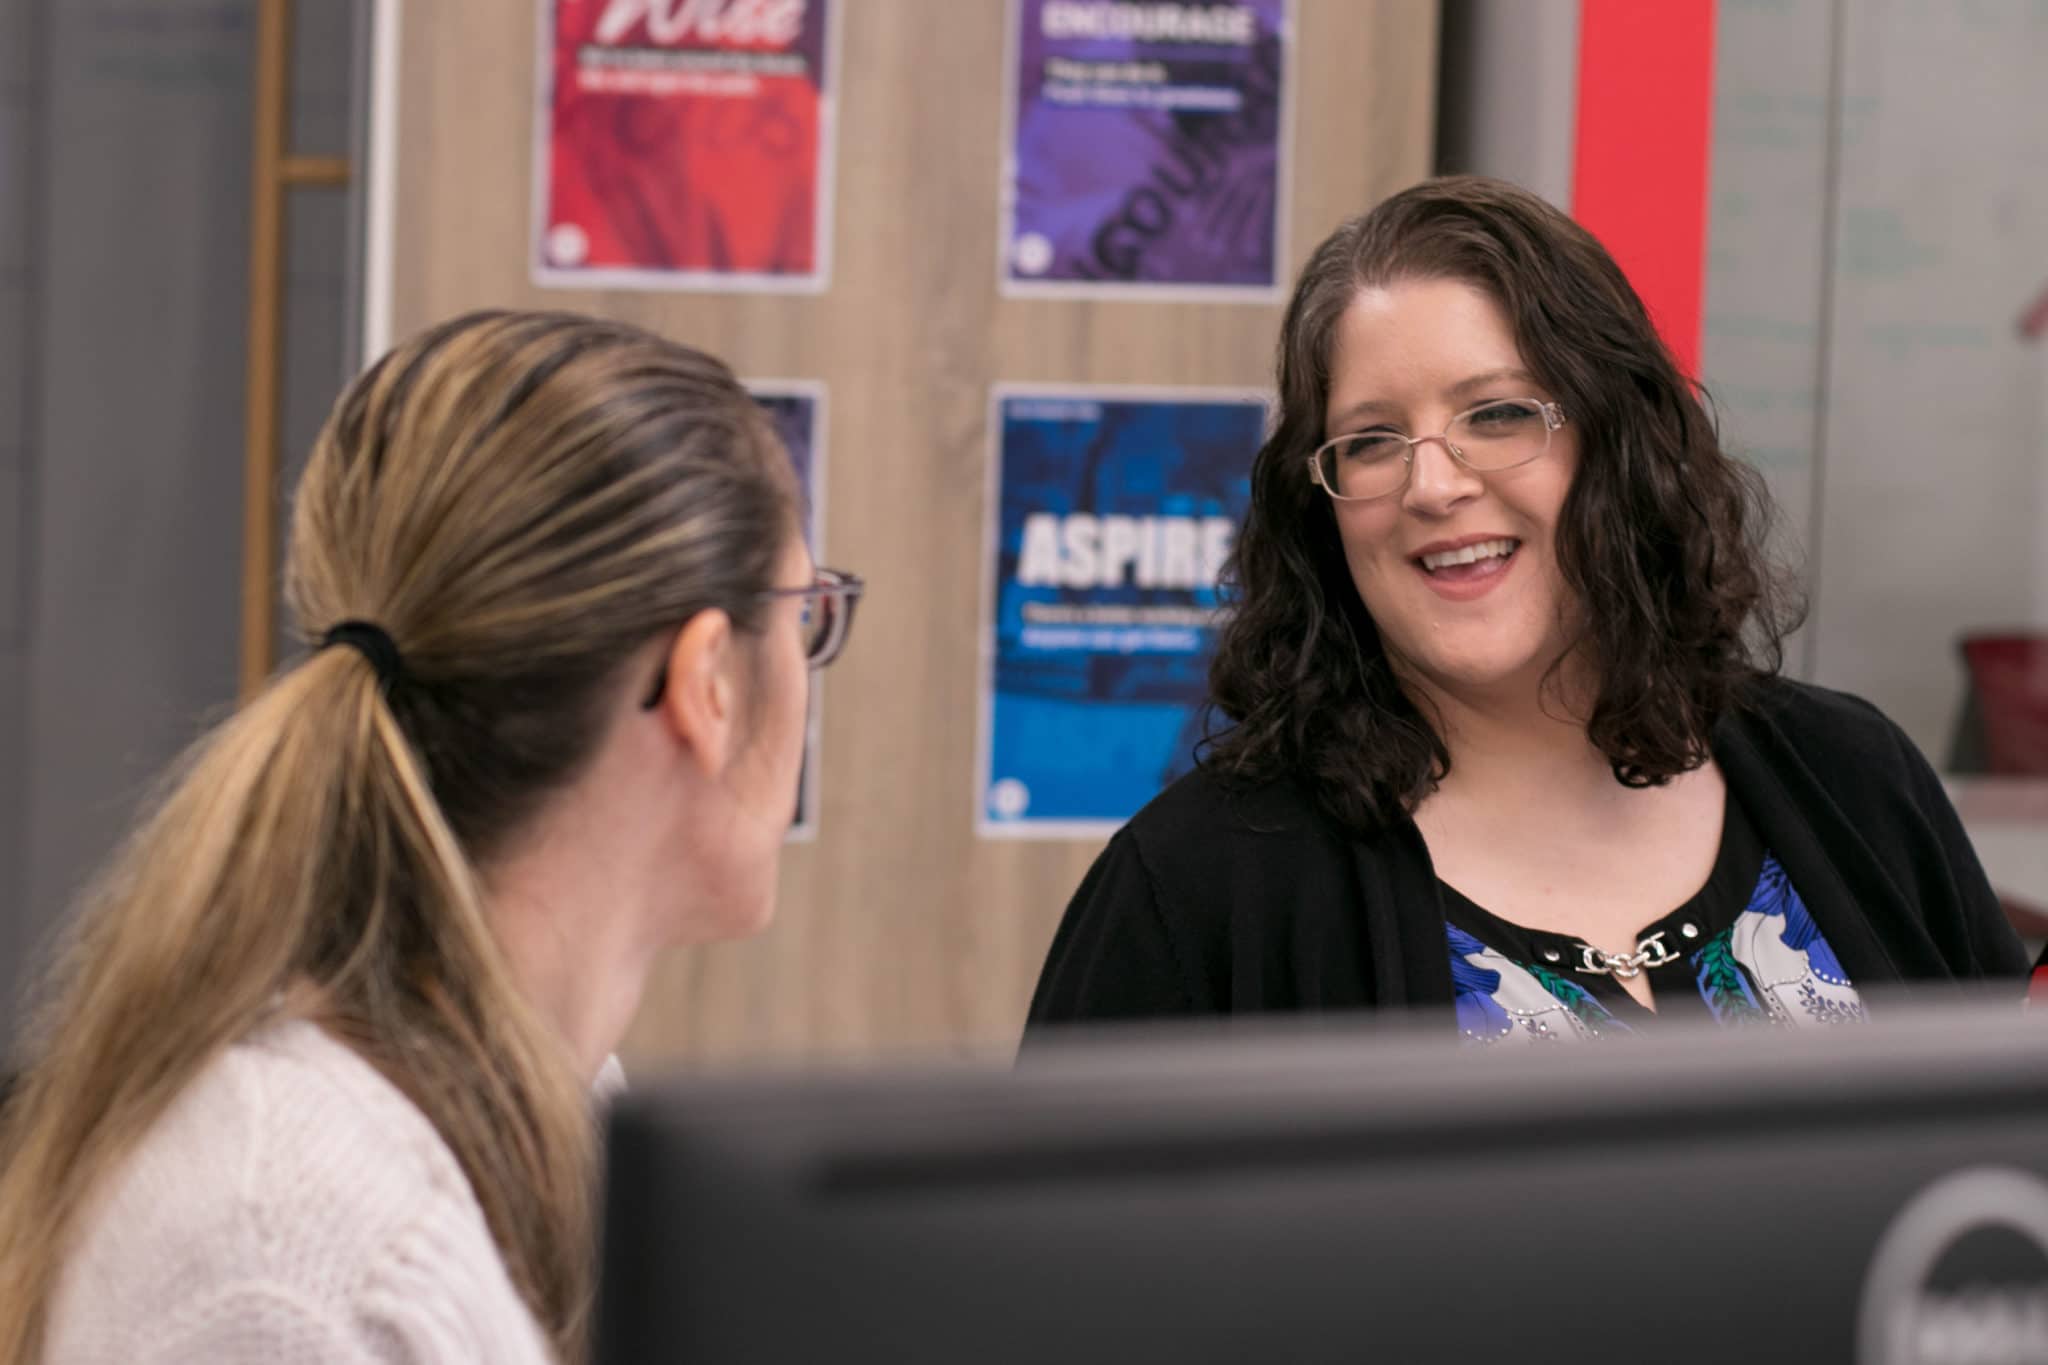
(1222, 900)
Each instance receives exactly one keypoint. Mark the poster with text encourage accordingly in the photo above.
(797, 408)
(1146, 148)
(1111, 512)
(684, 144)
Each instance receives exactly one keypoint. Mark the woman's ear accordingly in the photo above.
(702, 697)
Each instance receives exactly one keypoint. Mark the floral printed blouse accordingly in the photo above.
(1742, 951)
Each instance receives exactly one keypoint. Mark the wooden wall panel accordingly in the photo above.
(897, 927)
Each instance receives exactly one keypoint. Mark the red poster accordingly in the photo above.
(684, 144)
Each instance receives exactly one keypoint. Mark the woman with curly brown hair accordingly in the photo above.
(1506, 735)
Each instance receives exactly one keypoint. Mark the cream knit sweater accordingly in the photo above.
(292, 1205)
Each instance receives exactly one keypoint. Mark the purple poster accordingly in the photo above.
(1145, 148)
(797, 409)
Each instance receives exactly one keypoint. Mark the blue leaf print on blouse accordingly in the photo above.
(1773, 889)
(1463, 945)
(1478, 1012)
(1775, 895)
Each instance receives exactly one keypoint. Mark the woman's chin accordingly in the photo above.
(723, 913)
(1482, 672)
(746, 916)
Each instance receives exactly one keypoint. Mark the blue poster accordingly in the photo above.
(793, 406)
(1112, 512)
(1145, 147)
(796, 407)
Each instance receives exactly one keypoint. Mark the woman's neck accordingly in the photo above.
(569, 918)
(1512, 740)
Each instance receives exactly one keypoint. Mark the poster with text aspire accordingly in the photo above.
(1111, 512)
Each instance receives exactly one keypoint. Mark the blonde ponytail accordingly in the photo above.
(520, 501)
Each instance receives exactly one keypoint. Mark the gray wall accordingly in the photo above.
(1876, 225)
(1508, 92)
(21, 87)
(124, 150)
(1931, 463)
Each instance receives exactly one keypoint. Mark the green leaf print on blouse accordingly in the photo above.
(1723, 984)
(1501, 1000)
(1595, 1016)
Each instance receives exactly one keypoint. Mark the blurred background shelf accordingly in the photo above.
(2007, 820)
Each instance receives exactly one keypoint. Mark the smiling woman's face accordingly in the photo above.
(1457, 568)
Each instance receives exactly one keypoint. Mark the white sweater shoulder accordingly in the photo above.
(291, 1205)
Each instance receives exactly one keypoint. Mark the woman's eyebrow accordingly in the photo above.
(1357, 411)
(1480, 381)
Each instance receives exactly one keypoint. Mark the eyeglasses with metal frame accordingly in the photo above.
(827, 619)
(1499, 434)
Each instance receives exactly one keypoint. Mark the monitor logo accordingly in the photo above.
(1961, 1275)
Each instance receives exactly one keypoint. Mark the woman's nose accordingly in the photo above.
(1437, 481)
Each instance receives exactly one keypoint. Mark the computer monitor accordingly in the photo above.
(1874, 1193)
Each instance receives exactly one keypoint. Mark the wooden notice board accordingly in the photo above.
(897, 927)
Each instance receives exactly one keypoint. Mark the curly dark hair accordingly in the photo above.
(1661, 538)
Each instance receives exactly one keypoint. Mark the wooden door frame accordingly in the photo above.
(275, 173)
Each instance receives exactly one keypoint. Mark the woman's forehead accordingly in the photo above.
(1414, 342)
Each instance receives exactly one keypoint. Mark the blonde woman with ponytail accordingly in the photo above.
(312, 1079)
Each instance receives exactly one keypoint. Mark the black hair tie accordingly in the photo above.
(374, 644)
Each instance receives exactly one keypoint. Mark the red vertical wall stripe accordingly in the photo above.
(1640, 156)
